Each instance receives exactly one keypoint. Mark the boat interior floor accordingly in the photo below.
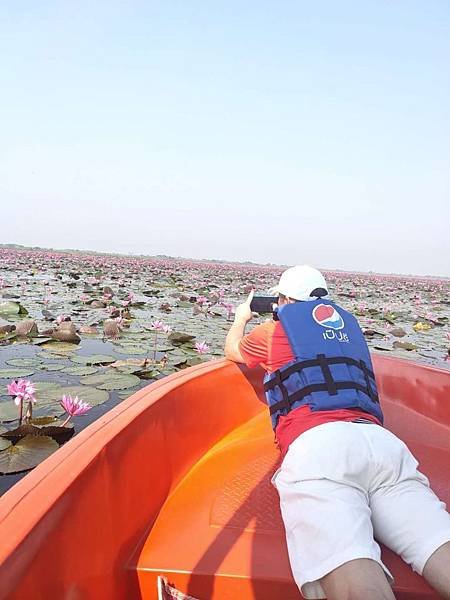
(220, 535)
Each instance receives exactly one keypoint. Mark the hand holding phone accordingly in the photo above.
(263, 304)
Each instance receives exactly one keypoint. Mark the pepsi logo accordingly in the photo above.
(327, 316)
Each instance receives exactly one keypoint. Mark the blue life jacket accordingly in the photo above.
(332, 368)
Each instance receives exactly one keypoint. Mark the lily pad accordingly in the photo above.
(27, 328)
(8, 411)
(82, 370)
(111, 380)
(12, 308)
(131, 349)
(44, 389)
(38, 341)
(52, 356)
(51, 367)
(60, 434)
(26, 454)
(397, 332)
(94, 359)
(15, 373)
(14, 435)
(4, 443)
(59, 347)
(404, 345)
(23, 362)
(44, 421)
(89, 394)
(177, 337)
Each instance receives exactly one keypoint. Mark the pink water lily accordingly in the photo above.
(156, 325)
(23, 390)
(60, 318)
(229, 308)
(120, 322)
(167, 329)
(202, 347)
(74, 407)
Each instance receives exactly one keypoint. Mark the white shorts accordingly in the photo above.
(342, 484)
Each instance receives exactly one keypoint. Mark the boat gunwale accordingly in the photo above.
(89, 439)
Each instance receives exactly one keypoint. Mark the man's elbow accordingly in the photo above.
(233, 353)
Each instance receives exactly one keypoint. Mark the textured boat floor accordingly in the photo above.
(220, 534)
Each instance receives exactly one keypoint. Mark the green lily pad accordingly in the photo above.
(80, 370)
(128, 369)
(59, 347)
(53, 395)
(26, 454)
(38, 341)
(52, 367)
(126, 393)
(15, 373)
(131, 349)
(111, 380)
(23, 362)
(8, 410)
(89, 394)
(44, 421)
(52, 356)
(44, 389)
(94, 359)
(404, 345)
(4, 443)
(12, 308)
(177, 337)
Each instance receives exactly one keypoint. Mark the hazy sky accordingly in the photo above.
(286, 132)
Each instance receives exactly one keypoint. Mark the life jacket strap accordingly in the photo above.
(329, 384)
(317, 362)
(316, 387)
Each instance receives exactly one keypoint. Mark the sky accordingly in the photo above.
(283, 132)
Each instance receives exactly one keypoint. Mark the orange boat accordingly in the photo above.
(175, 481)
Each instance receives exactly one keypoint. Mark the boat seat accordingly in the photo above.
(220, 535)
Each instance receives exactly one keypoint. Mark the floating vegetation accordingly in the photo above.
(98, 328)
(26, 454)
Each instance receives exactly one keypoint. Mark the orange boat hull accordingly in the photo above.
(175, 481)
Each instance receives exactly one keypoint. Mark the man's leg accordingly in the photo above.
(437, 571)
(409, 518)
(357, 579)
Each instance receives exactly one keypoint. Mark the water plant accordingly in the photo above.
(22, 390)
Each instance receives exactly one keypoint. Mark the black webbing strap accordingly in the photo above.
(328, 377)
(318, 362)
(367, 374)
(285, 403)
(319, 387)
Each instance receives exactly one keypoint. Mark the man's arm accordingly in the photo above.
(242, 316)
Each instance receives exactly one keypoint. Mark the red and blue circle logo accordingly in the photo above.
(327, 316)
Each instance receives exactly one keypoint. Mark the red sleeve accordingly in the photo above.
(254, 345)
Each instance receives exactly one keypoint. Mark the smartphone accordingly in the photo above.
(263, 304)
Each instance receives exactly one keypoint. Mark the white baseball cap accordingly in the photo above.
(298, 283)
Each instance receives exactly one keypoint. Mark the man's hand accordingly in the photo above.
(242, 316)
(243, 312)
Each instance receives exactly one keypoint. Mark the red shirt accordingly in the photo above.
(267, 345)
